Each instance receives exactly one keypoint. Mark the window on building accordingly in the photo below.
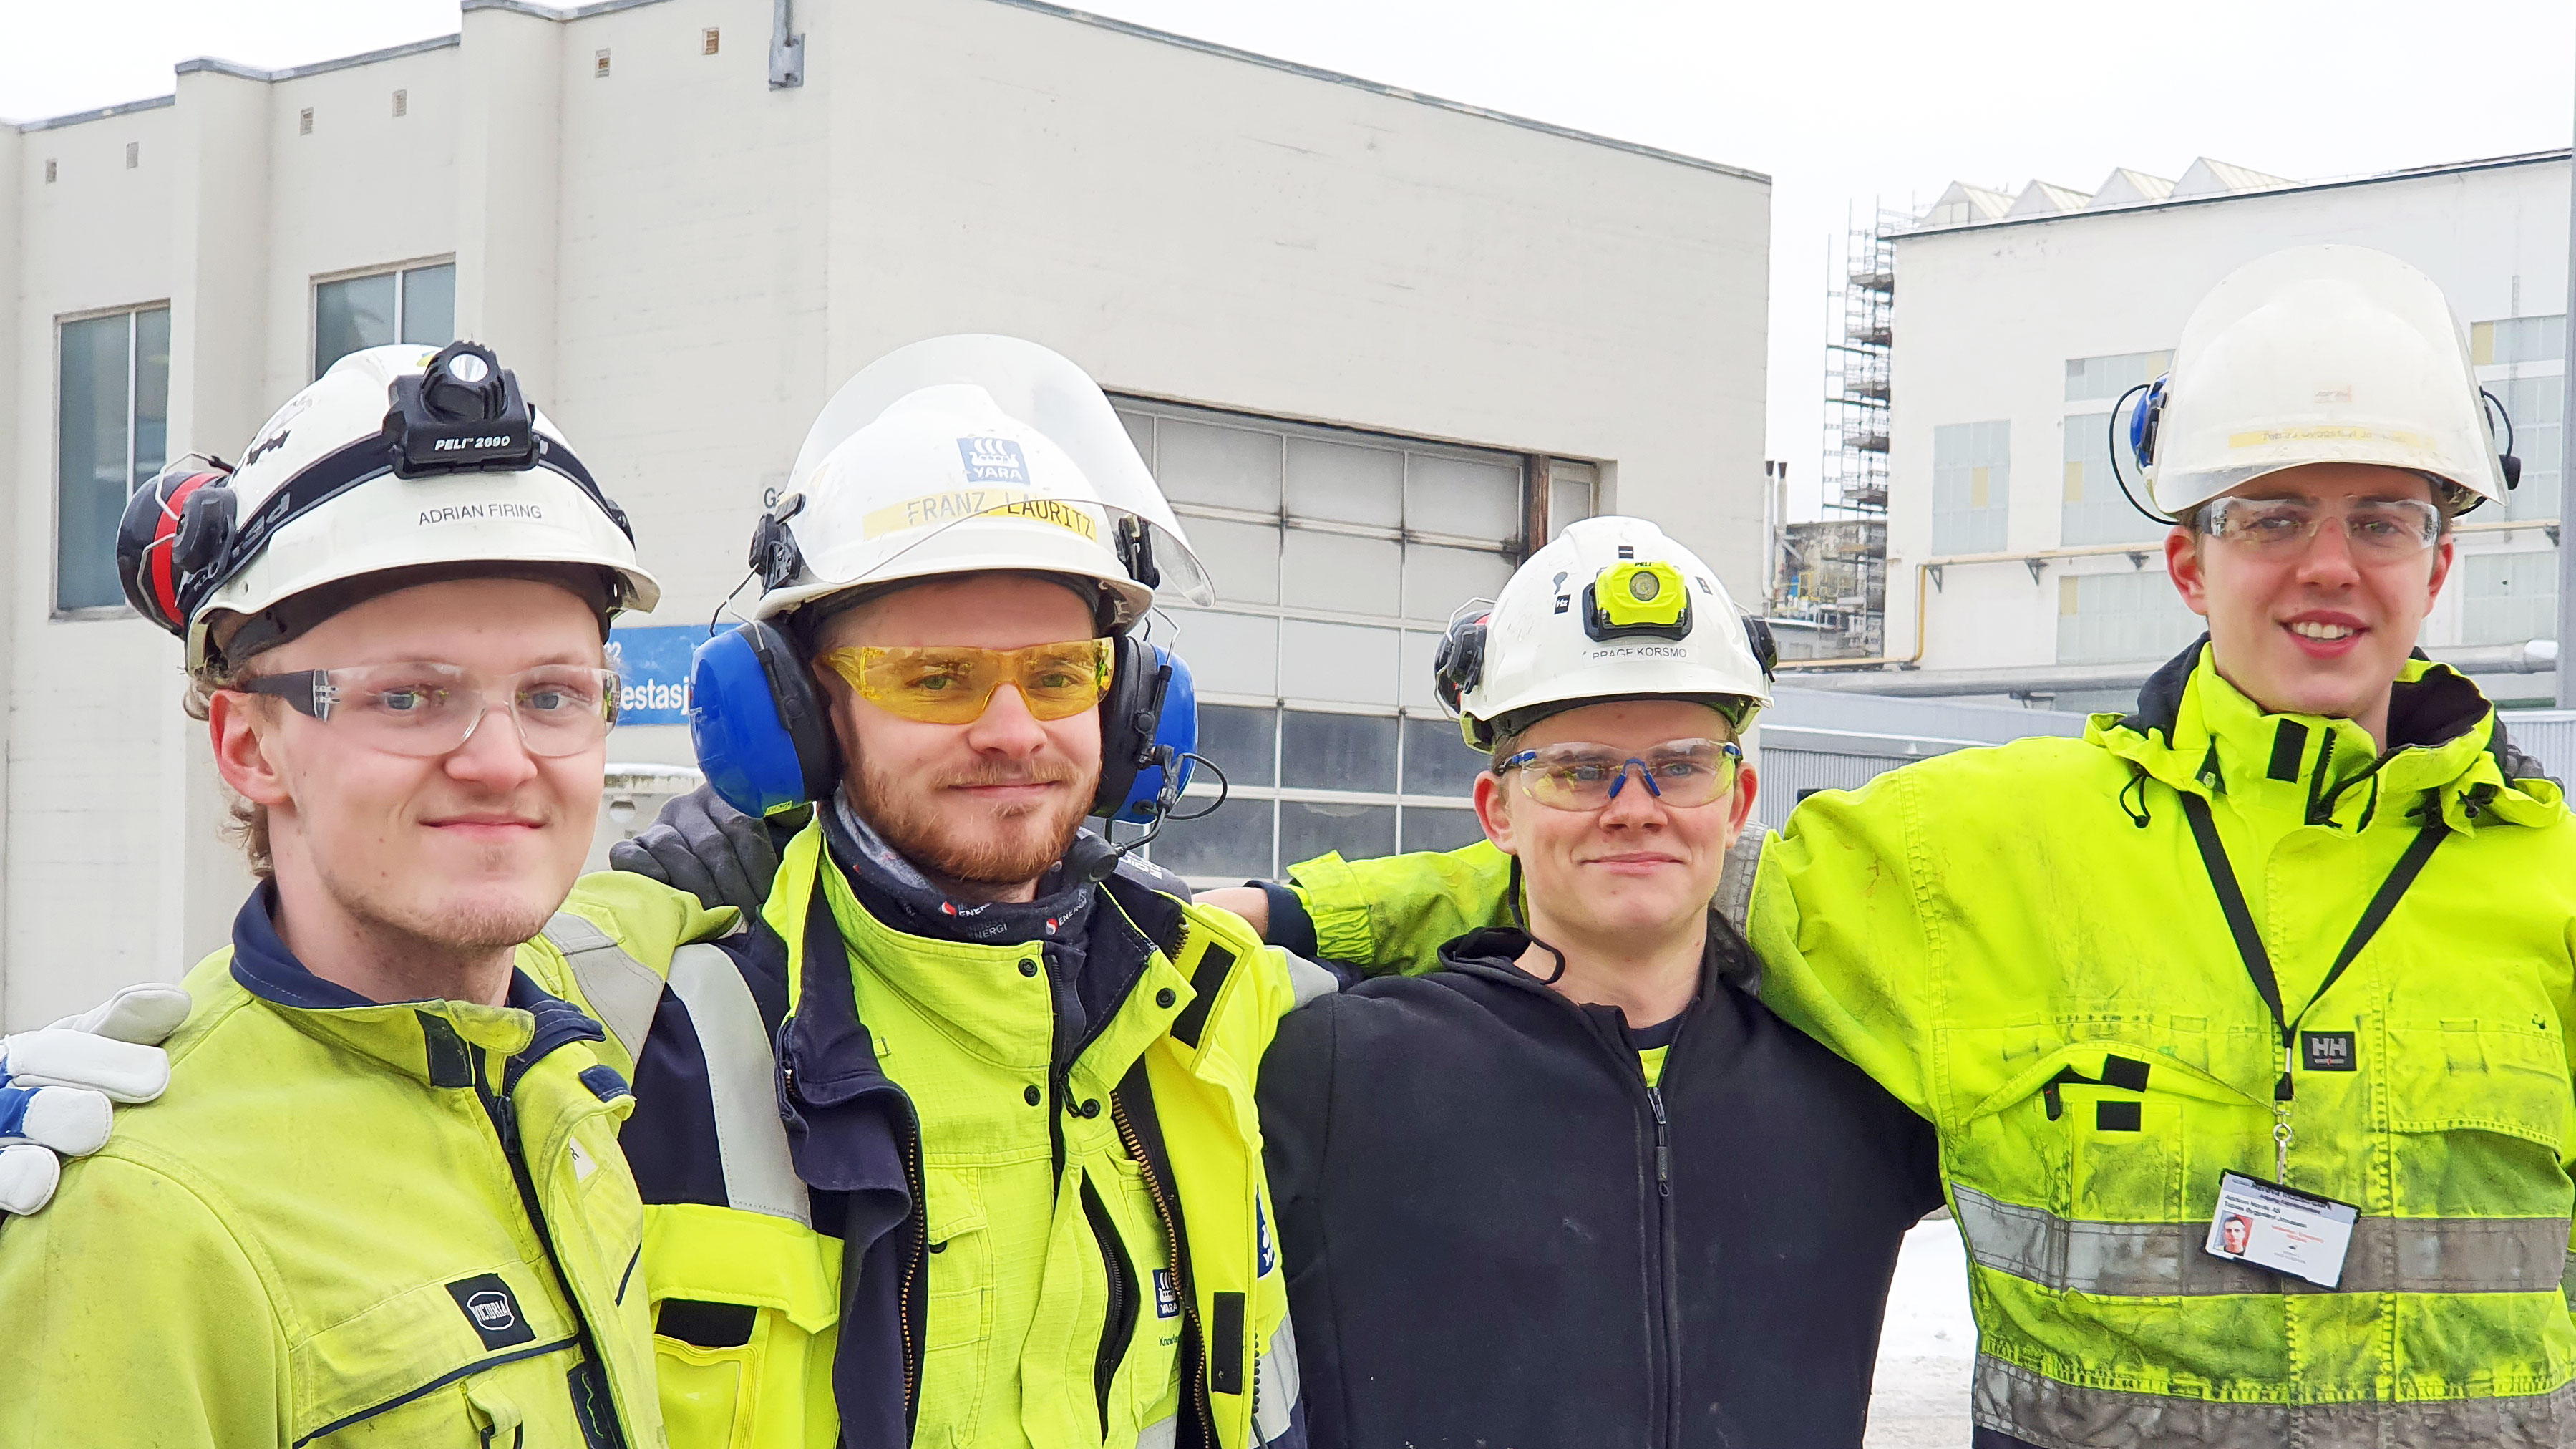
(2095, 510)
(2118, 618)
(2522, 360)
(111, 436)
(2103, 379)
(1571, 487)
(2509, 597)
(414, 304)
(1338, 558)
(1971, 485)
(2519, 339)
(2535, 404)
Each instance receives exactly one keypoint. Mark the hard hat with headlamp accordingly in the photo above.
(398, 463)
(1612, 610)
(2319, 354)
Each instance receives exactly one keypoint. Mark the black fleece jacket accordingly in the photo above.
(1499, 1237)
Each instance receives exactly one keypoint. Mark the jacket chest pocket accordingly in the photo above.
(2125, 1153)
(2479, 1110)
(744, 1311)
(441, 1363)
(959, 1260)
(957, 1334)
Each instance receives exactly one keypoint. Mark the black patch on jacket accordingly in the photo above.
(492, 1309)
(2329, 1051)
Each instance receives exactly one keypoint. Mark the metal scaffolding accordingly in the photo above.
(1835, 570)
(1858, 354)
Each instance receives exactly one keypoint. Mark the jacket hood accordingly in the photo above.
(2195, 731)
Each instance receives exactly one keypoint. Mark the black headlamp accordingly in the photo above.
(464, 413)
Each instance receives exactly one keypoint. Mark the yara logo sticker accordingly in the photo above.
(994, 460)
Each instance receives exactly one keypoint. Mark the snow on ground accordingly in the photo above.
(1927, 1348)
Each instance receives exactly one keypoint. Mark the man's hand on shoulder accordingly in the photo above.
(58, 1085)
(706, 847)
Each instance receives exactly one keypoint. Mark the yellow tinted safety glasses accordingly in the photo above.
(955, 683)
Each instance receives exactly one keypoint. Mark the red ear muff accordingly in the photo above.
(147, 538)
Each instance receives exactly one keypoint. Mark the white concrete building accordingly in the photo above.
(2015, 566)
(1374, 343)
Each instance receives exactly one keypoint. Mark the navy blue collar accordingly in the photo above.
(268, 970)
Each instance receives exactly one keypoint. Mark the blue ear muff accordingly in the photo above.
(1174, 749)
(1149, 720)
(2143, 422)
(762, 733)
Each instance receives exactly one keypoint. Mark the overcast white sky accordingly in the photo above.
(1841, 104)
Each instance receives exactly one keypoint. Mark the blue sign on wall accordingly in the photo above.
(653, 662)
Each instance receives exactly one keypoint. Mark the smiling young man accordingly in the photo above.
(382, 1199)
(2292, 942)
(1577, 1185)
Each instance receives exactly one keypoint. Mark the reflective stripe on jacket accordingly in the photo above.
(346, 1222)
(2025, 943)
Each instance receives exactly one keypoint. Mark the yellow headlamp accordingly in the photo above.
(1637, 598)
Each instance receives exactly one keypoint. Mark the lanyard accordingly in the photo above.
(2258, 961)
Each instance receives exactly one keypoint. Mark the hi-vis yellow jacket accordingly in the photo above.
(345, 1224)
(2031, 945)
(994, 1251)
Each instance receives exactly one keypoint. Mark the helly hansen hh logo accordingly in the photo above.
(489, 1306)
(2328, 1051)
(994, 460)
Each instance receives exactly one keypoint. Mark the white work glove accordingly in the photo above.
(57, 1085)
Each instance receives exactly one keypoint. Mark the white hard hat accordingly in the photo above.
(1612, 610)
(396, 459)
(2318, 354)
(972, 454)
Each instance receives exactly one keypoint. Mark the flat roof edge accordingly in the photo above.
(123, 108)
(319, 67)
(558, 12)
(2411, 173)
(1334, 77)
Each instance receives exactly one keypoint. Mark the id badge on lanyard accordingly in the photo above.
(2271, 1224)
(2281, 1228)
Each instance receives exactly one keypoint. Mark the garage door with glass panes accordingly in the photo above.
(1338, 557)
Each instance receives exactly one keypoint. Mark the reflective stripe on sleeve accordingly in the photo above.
(2164, 1260)
(1275, 1386)
(1161, 1434)
(621, 990)
(2033, 1407)
(742, 1084)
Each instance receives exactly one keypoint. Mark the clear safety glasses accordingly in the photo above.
(955, 683)
(427, 710)
(1574, 775)
(2376, 528)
